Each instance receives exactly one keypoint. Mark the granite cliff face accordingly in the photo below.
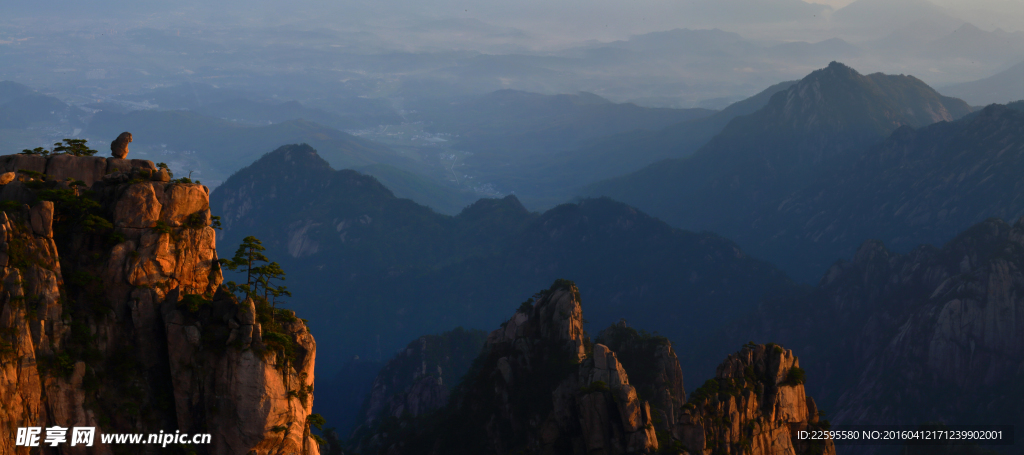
(541, 386)
(755, 405)
(961, 331)
(654, 371)
(112, 315)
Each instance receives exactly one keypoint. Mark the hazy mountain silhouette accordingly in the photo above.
(616, 154)
(893, 15)
(22, 107)
(1003, 87)
(822, 122)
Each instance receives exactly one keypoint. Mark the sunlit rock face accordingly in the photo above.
(756, 404)
(112, 315)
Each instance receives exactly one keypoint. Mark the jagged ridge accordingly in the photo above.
(541, 386)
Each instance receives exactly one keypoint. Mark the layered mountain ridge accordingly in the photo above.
(821, 124)
(919, 186)
(405, 271)
(382, 253)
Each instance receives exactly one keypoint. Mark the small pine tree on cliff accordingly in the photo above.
(260, 273)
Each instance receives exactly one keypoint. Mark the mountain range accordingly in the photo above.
(1003, 87)
(823, 123)
(356, 252)
(611, 156)
(21, 107)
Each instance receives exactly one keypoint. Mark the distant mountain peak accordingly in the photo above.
(968, 27)
(10, 90)
(295, 155)
(834, 69)
(486, 206)
(864, 105)
(834, 65)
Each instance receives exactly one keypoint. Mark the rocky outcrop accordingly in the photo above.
(540, 355)
(654, 371)
(30, 317)
(249, 395)
(68, 169)
(541, 387)
(607, 394)
(119, 147)
(111, 315)
(536, 389)
(941, 319)
(755, 405)
(417, 381)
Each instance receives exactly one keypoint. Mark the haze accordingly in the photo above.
(395, 56)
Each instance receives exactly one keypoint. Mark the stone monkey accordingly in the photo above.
(119, 148)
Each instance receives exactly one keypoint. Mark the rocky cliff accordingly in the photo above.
(654, 372)
(534, 389)
(541, 386)
(755, 405)
(112, 316)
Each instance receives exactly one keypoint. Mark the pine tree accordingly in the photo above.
(247, 257)
(261, 275)
(74, 147)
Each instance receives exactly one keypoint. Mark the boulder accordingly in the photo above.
(119, 148)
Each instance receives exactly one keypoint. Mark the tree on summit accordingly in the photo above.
(260, 273)
(74, 147)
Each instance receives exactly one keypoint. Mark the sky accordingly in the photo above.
(892, 36)
(589, 19)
